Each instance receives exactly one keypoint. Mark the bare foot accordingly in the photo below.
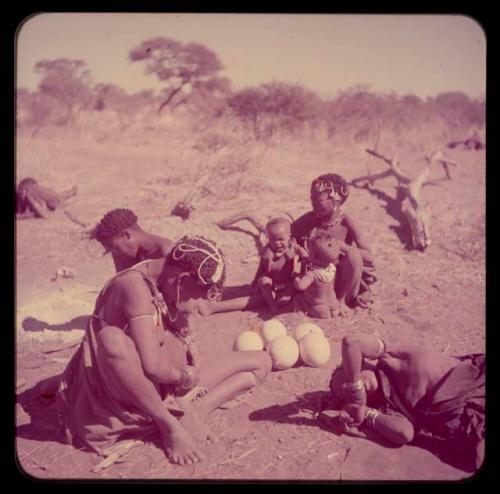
(181, 448)
(193, 423)
(341, 310)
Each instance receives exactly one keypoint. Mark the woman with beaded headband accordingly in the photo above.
(135, 369)
(328, 193)
(410, 389)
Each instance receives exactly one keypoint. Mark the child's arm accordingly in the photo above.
(266, 261)
(303, 282)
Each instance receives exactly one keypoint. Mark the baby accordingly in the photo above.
(278, 264)
(318, 297)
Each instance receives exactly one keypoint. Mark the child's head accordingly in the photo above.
(328, 192)
(25, 185)
(278, 233)
(323, 249)
(117, 231)
(200, 263)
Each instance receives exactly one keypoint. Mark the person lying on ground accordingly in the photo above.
(278, 264)
(119, 232)
(317, 297)
(355, 269)
(35, 201)
(411, 389)
(136, 369)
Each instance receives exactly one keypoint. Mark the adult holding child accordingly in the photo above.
(136, 366)
(356, 264)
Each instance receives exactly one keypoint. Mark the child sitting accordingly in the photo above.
(318, 297)
(278, 264)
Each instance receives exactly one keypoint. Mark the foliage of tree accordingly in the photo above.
(66, 80)
(182, 66)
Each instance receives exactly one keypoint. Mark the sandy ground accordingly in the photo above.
(436, 298)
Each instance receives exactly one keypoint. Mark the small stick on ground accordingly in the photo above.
(121, 450)
(62, 347)
(232, 460)
(74, 219)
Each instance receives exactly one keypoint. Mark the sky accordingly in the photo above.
(419, 54)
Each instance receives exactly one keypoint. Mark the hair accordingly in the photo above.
(278, 221)
(193, 254)
(113, 223)
(26, 182)
(337, 183)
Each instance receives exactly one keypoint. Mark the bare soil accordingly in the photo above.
(434, 298)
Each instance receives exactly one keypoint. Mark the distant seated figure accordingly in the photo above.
(317, 297)
(34, 201)
(118, 232)
(278, 263)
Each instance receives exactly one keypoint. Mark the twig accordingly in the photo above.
(63, 347)
(239, 457)
(74, 219)
(121, 450)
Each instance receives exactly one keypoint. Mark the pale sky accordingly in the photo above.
(419, 54)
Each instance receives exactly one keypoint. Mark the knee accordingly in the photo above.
(354, 258)
(113, 343)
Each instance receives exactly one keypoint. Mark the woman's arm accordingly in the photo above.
(136, 301)
(354, 349)
(360, 240)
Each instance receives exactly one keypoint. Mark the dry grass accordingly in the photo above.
(434, 298)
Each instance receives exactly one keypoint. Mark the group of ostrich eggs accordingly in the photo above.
(307, 342)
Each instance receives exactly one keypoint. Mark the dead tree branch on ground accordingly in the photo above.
(409, 190)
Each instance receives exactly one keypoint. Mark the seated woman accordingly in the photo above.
(34, 201)
(411, 389)
(135, 366)
(328, 193)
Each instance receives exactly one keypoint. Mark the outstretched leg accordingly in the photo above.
(120, 368)
(228, 376)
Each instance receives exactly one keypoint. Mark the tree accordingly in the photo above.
(67, 81)
(276, 105)
(181, 65)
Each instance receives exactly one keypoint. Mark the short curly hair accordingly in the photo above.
(27, 182)
(112, 223)
(200, 257)
(331, 182)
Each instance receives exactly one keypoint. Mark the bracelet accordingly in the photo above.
(370, 416)
(358, 385)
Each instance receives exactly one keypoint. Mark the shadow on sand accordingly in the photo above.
(33, 324)
(311, 402)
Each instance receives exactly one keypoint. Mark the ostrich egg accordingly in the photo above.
(284, 352)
